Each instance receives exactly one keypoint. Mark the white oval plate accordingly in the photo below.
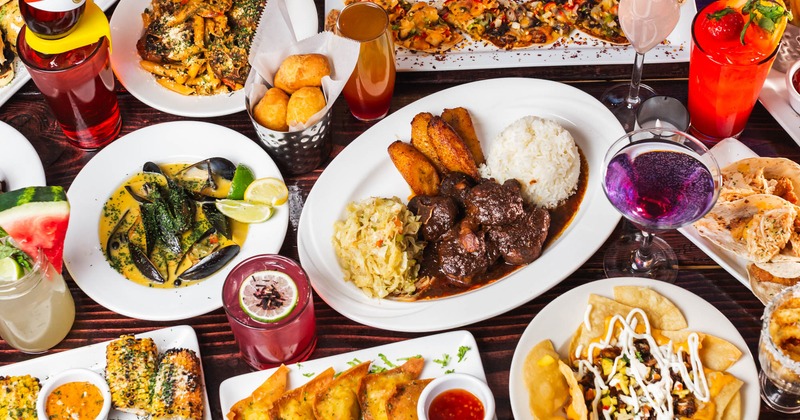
(182, 141)
(20, 165)
(561, 317)
(364, 169)
(126, 29)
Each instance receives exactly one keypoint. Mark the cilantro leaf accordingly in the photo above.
(444, 361)
(386, 360)
(462, 352)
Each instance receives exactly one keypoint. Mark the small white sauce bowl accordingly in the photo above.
(794, 95)
(74, 375)
(449, 381)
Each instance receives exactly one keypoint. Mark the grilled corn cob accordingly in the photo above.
(178, 388)
(18, 397)
(130, 369)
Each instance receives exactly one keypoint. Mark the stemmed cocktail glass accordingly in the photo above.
(659, 179)
(646, 23)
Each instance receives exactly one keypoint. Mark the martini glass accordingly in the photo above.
(646, 23)
(659, 179)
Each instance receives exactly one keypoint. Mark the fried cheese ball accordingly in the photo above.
(302, 70)
(270, 111)
(304, 103)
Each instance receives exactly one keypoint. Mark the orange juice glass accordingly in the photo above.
(369, 90)
(726, 76)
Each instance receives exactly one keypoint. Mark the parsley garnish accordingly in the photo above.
(449, 371)
(309, 374)
(386, 360)
(444, 361)
(462, 352)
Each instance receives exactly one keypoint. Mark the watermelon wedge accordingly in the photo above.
(37, 217)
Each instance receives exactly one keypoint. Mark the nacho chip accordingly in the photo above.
(577, 407)
(377, 388)
(734, 409)
(603, 309)
(547, 388)
(261, 400)
(722, 387)
(680, 339)
(402, 405)
(298, 404)
(339, 401)
(718, 354)
(663, 314)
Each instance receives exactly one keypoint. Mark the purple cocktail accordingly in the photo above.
(659, 189)
(658, 179)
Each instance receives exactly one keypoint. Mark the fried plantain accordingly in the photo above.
(461, 121)
(451, 149)
(420, 139)
(416, 169)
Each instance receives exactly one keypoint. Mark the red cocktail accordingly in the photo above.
(730, 59)
(79, 87)
(271, 311)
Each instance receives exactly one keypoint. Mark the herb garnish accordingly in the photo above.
(9, 250)
(444, 361)
(462, 352)
(767, 16)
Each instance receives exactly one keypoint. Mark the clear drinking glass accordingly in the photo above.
(659, 179)
(269, 344)
(369, 90)
(779, 353)
(646, 23)
(37, 310)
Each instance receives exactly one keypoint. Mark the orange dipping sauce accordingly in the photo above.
(73, 400)
(456, 404)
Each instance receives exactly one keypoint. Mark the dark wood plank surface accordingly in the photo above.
(497, 337)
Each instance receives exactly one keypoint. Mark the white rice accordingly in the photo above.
(541, 155)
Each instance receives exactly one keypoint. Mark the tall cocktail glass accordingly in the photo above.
(369, 90)
(646, 23)
(36, 310)
(658, 179)
(727, 69)
(779, 352)
(268, 344)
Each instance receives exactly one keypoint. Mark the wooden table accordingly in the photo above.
(497, 337)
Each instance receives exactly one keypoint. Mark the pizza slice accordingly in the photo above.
(599, 18)
(422, 28)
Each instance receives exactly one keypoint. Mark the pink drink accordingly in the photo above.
(648, 22)
(265, 345)
(657, 188)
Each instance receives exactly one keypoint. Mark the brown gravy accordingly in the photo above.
(560, 218)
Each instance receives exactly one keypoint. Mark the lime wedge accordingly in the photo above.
(243, 211)
(242, 178)
(10, 270)
(268, 296)
(270, 191)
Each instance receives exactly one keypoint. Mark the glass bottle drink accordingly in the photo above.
(51, 19)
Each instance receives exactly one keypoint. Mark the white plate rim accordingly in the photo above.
(19, 161)
(775, 98)
(126, 29)
(93, 357)
(700, 315)
(581, 113)
(578, 50)
(430, 347)
(179, 141)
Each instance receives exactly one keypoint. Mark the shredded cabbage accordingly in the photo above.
(377, 246)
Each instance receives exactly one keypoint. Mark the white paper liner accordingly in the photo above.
(275, 40)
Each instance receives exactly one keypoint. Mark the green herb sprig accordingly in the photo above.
(767, 17)
(9, 250)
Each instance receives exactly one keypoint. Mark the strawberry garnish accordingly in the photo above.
(725, 24)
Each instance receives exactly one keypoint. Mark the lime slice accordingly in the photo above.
(10, 270)
(268, 296)
(241, 180)
(243, 211)
(270, 191)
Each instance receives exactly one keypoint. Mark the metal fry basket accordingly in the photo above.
(296, 152)
(789, 51)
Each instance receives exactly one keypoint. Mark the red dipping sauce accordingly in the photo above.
(796, 81)
(456, 404)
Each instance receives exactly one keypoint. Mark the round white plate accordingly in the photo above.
(561, 317)
(184, 141)
(364, 169)
(20, 165)
(126, 29)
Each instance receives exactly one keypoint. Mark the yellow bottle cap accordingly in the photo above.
(92, 26)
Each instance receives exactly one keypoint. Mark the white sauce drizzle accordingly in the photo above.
(586, 314)
(656, 394)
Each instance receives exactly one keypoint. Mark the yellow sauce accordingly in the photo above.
(120, 201)
(74, 400)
